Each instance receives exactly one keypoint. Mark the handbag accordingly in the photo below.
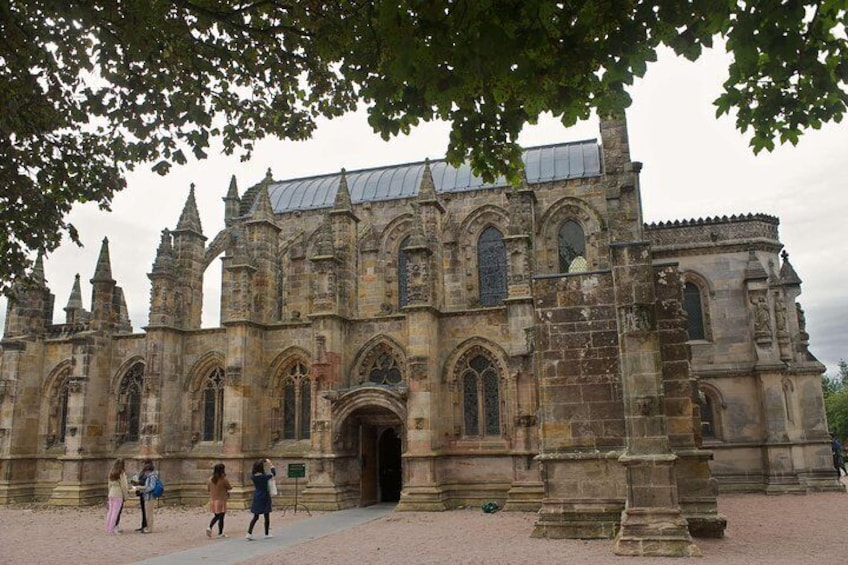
(272, 487)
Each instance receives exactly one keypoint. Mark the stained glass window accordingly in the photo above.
(491, 266)
(384, 370)
(470, 404)
(213, 406)
(295, 405)
(694, 311)
(129, 415)
(572, 247)
(305, 408)
(289, 411)
(481, 397)
(403, 290)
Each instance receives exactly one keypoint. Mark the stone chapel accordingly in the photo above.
(413, 334)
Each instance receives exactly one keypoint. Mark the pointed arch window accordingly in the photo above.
(491, 267)
(213, 405)
(294, 403)
(694, 311)
(571, 242)
(480, 397)
(129, 404)
(403, 259)
(60, 408)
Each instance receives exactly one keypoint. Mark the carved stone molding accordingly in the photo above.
(232, 376)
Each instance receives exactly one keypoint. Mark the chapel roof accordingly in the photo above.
(580, 159)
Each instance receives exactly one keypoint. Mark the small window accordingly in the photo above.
(708, 427)
(403, 259)
(572, 248)
(694, 311)
(491, 266)
(213, 406)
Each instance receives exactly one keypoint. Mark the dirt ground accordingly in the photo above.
(774, 530)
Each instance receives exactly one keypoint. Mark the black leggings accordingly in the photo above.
(220, 519)
(256, 518)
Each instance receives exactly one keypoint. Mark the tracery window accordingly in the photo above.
(129, 403)
(294, 406)
(58, 423)
(384, 370)
(213, 405)
(491, 267)
(480, 397)
(572, 247)
(694, 311)
(403, 259)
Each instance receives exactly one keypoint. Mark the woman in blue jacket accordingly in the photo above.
(263, 472)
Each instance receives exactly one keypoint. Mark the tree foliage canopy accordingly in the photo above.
(835, 388)
(90, 89)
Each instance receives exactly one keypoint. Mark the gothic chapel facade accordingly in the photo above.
(413, 334)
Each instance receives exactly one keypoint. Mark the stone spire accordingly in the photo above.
(38, 271)
(232, 202)
(190, 218)
(342, 201)
(427, 189)
(164, 254)
(232, 191)
(75, 300)
(103, 271)
(788, 276)
(263, 211)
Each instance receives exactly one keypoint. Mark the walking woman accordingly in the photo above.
(118, 492)
(263, 472)
(219, 490)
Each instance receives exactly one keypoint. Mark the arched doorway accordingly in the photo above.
(368, 443)
(389, 466)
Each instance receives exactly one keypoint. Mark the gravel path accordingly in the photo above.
(774, 530)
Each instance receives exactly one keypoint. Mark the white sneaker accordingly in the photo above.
(208, 532)
(249, 537)
(223, 536)
(268, 536)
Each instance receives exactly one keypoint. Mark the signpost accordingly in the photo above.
(296, 471)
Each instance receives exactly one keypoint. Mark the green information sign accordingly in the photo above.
(297, 470)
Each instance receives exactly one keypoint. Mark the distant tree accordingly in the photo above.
(89, 89)
(835, 389)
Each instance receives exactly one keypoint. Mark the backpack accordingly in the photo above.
(158, 488)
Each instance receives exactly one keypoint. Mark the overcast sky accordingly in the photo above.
(694, 166)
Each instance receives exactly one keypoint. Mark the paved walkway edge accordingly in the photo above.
(237, 549)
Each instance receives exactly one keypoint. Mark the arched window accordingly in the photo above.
(694, 311)
(213, 405)
(403, 258)
(572, 247)
(61, 408)
(295, 406)
(491, 267)
(708, 428)
(129, 404)
(480, 397)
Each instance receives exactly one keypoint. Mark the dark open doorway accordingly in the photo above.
(391, 476)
